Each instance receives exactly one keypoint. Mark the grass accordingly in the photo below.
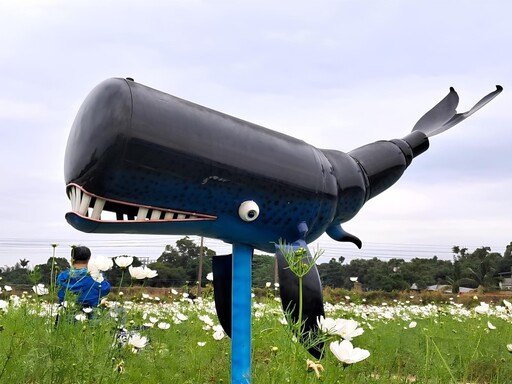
(449, 344)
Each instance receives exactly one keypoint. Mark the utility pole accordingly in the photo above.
(200, 270)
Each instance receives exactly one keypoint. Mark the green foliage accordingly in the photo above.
(480, 268)
(263, 270)
(179, 265)
(442, 348)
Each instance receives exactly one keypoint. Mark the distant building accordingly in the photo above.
(505, 281)
(414, 287)
(442, 288)
(146, 260)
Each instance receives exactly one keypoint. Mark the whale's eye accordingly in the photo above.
(249, 211)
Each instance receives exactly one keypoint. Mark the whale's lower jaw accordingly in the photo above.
(161, 227)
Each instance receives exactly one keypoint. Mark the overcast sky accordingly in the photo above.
(336, 74)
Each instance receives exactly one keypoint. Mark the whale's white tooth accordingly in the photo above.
(78, 198)
(86, 199)
(141, 215)
(168, 216)
(98, 208)
(72, 198)
(181, 216)
(155, 214)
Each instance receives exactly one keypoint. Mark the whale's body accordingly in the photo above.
(141, 161)
(132, 146)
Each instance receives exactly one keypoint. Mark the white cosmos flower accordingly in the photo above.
(509, 347)
(8, 288)
(412, 324)
(40, 289)
(96, 274)
(174, 292)
(87, 309)
(4, 305)
(101, 263)
(137, 341)
(327, 325)
(81, 317)
(505, 302)
(209, 276)
(348, 329)
(142, 272)
(180, 316)
(483, 308)
(206, 319)
(218, 335)
(346, 353)
(123, 261)
(137, 272)
(201, 343)
(490, 325)
(164, 325)
(150, 273)
(353, 279)
(268, 284)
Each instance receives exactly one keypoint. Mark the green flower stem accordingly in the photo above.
(299, 321)
(121, 281)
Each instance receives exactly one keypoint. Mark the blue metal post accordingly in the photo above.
(241, 314)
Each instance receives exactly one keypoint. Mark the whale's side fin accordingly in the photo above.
(444, 115)
(312, 297)
(222, 286)
(337, 233)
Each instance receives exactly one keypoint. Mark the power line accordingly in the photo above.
(40, 250)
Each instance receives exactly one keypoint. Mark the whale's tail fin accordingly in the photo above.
(384, 162)
(444, 115)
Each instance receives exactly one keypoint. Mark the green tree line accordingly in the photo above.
(178, 265)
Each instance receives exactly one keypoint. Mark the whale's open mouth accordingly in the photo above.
(97, 208)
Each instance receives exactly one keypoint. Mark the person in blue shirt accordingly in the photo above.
(79, 281)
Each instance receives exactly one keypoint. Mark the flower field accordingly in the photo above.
(172, 339)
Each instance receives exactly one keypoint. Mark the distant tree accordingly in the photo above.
(59, 264)
(168, 276)
(13, 275)
(332, 274)
(505, 264)
(262, 270)
(484, 272)
(184, 259)
(24, 263)
(479, 268)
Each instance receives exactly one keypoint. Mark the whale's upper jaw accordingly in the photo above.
(93, 208)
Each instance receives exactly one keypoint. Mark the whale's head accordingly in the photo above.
(141, 161)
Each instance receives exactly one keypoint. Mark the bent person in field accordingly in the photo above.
(89, 286)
